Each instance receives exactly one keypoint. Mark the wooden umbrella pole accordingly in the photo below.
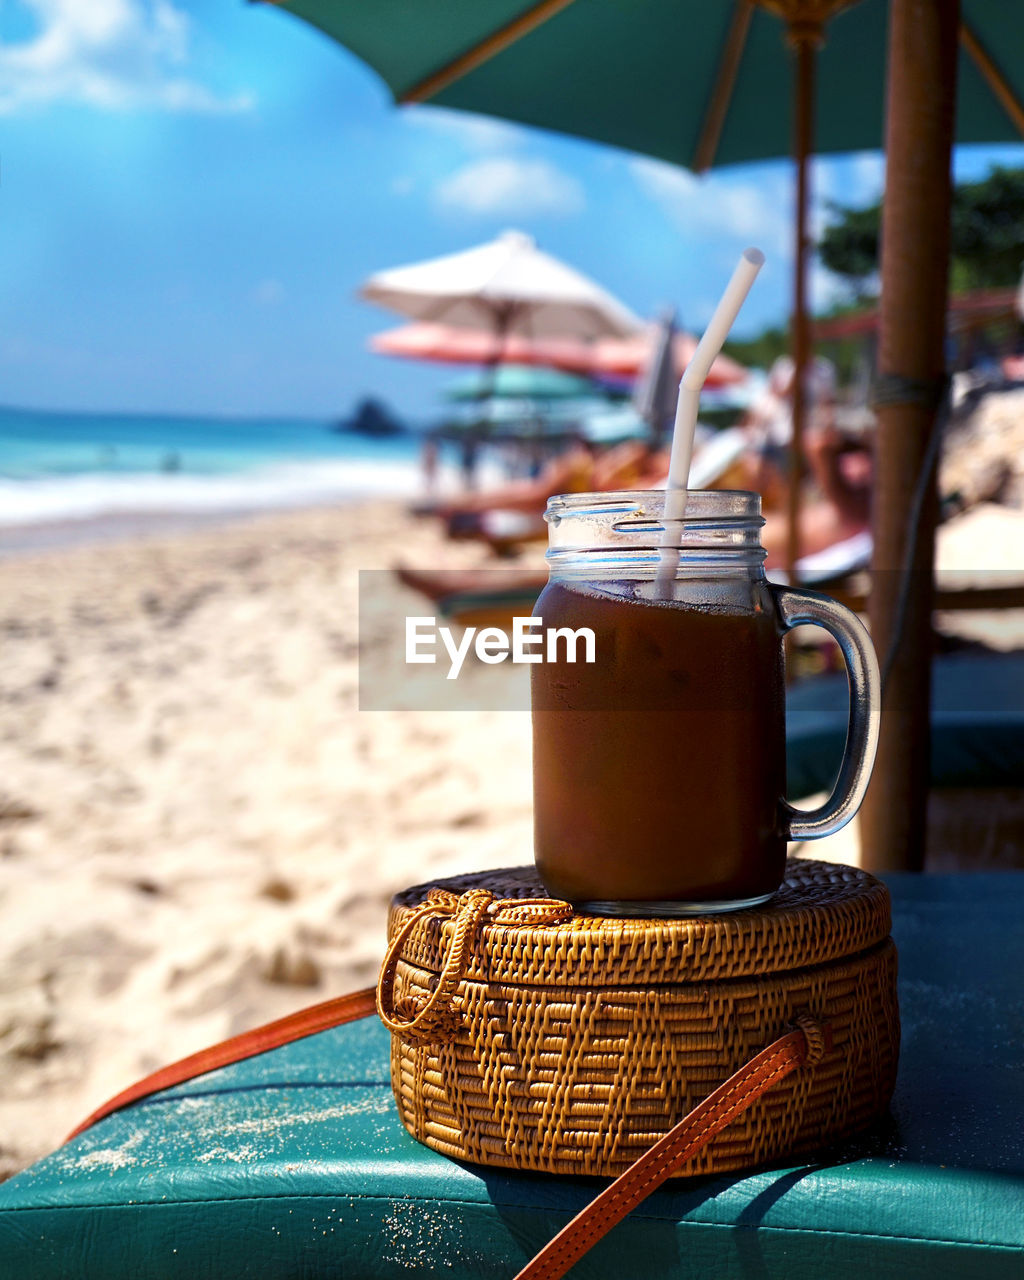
(805, 39)
(805, 33)
(915, 255)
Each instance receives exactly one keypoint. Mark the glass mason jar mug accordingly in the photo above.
(660, 767)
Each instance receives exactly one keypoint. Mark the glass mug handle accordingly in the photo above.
(797, 607)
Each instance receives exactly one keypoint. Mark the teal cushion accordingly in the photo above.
(294, 1164)
(977, 725)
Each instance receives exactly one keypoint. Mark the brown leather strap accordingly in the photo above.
(307, 1022)
(805, 1045)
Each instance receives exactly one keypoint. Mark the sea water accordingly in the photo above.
(60, 467)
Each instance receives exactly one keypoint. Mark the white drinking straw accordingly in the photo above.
(686, 411)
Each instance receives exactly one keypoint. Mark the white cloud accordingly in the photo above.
(756, 206)
(824, 289)
(755, 210)
(268, 293)
(512, 187)
(476, 133)
(110, 54)
(851, 181)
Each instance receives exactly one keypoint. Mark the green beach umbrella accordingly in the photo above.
(695, 82)
(522, 382)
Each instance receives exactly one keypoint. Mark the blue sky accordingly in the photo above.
(192, 190)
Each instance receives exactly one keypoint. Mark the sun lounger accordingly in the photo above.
(977, 724)
(840, 560)
(714, 458)
(496, 606)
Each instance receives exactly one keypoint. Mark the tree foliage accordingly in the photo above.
(849, 246)
(988, 231)
(987, 236)
(759, 352)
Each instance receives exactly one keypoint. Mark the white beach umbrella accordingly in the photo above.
(507, 286)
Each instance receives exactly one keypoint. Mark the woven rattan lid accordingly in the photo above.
(823, 912)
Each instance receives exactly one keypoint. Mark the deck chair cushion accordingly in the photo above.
(977, 725)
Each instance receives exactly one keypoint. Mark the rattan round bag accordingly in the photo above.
(531, 1037)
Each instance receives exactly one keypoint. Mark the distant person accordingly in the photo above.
(429, 459)
(843, 471)
(769, 424)
(469, 459)
(170, 462)
(1013, 364)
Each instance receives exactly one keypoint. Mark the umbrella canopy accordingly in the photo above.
(448, 345)
(523, 382)
(687, 81)
(508, 285)
(634, 355)
(608, 357)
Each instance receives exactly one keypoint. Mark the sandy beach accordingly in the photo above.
(199, 830)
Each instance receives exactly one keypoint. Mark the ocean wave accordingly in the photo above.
(87, 496)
